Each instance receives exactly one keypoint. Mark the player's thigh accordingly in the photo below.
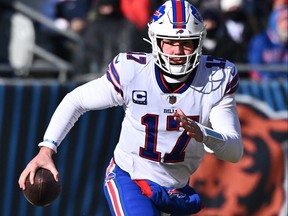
(124, 196)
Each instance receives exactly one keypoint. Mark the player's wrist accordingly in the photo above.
(46, 150)
(49, 144)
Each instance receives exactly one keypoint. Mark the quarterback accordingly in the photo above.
(179, 104)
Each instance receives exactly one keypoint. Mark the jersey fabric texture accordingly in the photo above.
(152, 145)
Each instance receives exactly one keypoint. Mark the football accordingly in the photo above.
(44, 190)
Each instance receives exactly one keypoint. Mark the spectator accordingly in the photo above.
(138, 12)
(211, 21)
(271, 46)
(22, 41)
(257, 12)
(208, 4)
(236, 31)
(107, 34)
(17, 40)
(74, 13)
(279, 3)
(66, 14)
(6, 13)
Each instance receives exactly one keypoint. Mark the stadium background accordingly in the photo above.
(256, 186)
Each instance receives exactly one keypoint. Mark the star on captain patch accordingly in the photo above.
(172, 99)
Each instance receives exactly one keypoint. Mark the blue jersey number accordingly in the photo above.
(149, 150)
(215, 62)
(139, 57)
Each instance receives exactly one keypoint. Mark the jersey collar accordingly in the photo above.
(163, 86)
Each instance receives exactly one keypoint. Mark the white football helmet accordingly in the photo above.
(176, 20)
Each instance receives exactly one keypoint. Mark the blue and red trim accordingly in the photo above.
(232, 86)
(112, 190)
(165, 89)
(113, 76)
(179, 16)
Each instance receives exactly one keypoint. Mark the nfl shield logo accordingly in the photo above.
(172, 99)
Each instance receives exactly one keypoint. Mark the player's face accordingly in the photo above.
(177, 47)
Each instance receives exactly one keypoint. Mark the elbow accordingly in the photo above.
(237, 153)
(236, 158)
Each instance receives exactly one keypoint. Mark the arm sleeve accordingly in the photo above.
(94, 95)
(224, 139)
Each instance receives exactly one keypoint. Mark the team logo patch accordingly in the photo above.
(139, 97)
(172, 193)
(180, 31)
(196, 14)
(158, 14)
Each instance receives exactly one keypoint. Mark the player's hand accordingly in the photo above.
(193, 130)
(42, 159)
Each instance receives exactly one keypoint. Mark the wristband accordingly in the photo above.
(50, 144)
(210, 135)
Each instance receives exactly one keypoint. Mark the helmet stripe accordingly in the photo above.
(179, 16)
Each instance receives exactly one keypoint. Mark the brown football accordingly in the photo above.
(44, 190)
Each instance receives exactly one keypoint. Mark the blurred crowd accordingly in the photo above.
(242, 31)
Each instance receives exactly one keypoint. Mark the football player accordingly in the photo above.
(178, 105)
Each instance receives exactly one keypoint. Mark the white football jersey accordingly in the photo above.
(152, 145)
